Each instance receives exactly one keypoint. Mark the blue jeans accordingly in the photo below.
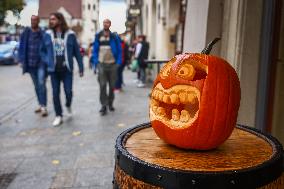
(119, 79)
(38, 76)
(142, 74)
(66, 77)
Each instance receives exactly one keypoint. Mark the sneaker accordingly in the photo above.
(57, 121)
(103, 111)
(44, 112)
(69, 111)
(141, 85)
(38, 110)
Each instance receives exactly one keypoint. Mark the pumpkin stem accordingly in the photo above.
(208, 48)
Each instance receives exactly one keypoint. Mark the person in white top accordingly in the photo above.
(141, 54)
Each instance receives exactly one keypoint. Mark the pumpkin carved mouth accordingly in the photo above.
(176, 107)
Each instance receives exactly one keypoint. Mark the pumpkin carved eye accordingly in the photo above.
(186, 71)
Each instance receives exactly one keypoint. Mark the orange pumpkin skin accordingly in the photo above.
(218, 87)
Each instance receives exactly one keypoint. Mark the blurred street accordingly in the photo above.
(79, 153)
(143, 35)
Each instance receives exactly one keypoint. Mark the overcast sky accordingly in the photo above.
(115, 10)
(25, 15)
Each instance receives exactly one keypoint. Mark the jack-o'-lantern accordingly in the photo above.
(194, 101)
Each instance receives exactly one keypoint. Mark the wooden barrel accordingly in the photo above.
(248, 159)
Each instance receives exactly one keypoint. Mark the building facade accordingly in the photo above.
(90, 20)
(161, 21)
(81, 15)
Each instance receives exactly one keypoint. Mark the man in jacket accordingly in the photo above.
(29, 58)
(107, 57)
(59, 47)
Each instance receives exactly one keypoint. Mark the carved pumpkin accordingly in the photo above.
(195, 101)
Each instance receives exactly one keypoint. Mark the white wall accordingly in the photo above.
(161, 35)
(195, 30)
(152, 27)
(165, 27)
(172, 20)
(149, 24)
(242, 49)
(214, 24)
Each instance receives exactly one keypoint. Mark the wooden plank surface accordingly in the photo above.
(241, 150)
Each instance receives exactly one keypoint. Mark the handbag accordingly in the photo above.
(134, 65)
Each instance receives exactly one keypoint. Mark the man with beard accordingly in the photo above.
(106, 57)
(60, 46)
(29, 58)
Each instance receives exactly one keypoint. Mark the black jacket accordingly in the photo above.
(143, 55)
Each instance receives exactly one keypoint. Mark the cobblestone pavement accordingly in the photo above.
(78, 154)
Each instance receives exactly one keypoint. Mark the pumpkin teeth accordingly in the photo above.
(154, 102)
(155, 94)
(183, 97)
(155, 108)
(191, 98)
(174, 99)
(166, 99)
(182, 102)
(184, 117)
(160, 96)
(180, 98)
(175, 115)
(161, 111)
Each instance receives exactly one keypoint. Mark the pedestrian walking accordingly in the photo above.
(107, 57)
(134, 63)
(60, 46)
(141, 54)
(30, 61)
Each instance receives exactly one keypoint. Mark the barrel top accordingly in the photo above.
(248, 159)
(242, 150)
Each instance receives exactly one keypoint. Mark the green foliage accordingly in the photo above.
(13, 5)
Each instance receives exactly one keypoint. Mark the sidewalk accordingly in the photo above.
(78, 154)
